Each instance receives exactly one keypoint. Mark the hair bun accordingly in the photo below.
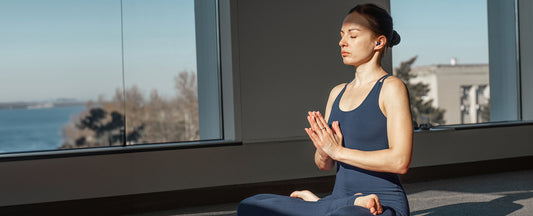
(395, 39)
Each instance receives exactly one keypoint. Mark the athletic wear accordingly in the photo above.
(363, 128)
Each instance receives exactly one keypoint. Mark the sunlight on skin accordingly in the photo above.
(371, 202)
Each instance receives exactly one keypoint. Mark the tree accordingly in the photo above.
(129, 118)
(422, 110)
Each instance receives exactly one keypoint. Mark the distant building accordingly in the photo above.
(461, 89)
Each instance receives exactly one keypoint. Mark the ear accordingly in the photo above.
(380, 42)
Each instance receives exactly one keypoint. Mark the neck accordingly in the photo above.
(370, 71)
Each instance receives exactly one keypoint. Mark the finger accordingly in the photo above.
(323, 121)
(314, 137)
(336, 128)
(319, 123)
(312, 123)
(310, 133)
(318, 128)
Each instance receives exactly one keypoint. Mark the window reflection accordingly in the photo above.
(446, 73)
(97, 73)
(161, 96)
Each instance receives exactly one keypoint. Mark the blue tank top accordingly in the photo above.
(365, 128)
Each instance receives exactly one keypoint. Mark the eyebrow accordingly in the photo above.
(352, 29)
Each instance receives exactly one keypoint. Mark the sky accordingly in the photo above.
(72, 48)
(438, 30)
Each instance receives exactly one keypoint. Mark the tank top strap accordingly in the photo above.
(379, 83)
(380, 80)
(377, 90)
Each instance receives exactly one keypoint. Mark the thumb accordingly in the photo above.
(336, 128)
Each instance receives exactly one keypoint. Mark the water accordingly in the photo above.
(34, 129)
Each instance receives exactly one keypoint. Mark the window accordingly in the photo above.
(80, 74)
(444, 59)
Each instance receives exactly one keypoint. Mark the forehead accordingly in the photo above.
(355, 21)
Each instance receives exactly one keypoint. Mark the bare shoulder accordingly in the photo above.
(394, 87)
(332, 96)
(336, 90)
(394, 96)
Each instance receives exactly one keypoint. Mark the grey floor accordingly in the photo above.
(509, 193)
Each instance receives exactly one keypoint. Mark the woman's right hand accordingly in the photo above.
(322, 158)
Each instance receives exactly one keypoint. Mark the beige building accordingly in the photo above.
(462, 90)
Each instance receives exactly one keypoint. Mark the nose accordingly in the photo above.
(342, 42)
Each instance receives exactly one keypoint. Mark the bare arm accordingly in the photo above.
(395, 159)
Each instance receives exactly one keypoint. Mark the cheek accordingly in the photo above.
(367, 46)
(362, 46)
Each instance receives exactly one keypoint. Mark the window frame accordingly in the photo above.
(217, 119)
(505, 72)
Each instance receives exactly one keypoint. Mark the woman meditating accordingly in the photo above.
(368, 133)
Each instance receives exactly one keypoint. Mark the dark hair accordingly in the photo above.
(380, 22)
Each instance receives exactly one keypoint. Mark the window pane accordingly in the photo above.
(60, 58)
(443, 58)
(98, 73)
(160, 71)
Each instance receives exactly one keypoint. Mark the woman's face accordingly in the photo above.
(358, 43)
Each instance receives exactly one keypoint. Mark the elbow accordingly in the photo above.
(324, 167)
(402, 170)
(401, 167)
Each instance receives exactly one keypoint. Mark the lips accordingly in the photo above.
(344, 53)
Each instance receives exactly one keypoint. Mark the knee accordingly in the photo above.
(351, 210)
(358, 210)
(257, 198)
(252, 204)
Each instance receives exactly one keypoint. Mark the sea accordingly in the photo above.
(23, 130)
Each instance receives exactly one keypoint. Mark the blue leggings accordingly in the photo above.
(271, 204)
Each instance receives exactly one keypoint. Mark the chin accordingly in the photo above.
(348, 62)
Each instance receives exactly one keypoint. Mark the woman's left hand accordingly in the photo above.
(326, 139)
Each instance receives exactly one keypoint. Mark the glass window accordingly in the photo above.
(160, 71)
(97, 73)
(443, 58)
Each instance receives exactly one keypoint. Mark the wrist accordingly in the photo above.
(336, 154)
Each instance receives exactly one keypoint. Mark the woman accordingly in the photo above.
(369, 135)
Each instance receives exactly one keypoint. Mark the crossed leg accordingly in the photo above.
(370, 202)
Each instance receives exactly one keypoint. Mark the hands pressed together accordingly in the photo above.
(328, 142)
